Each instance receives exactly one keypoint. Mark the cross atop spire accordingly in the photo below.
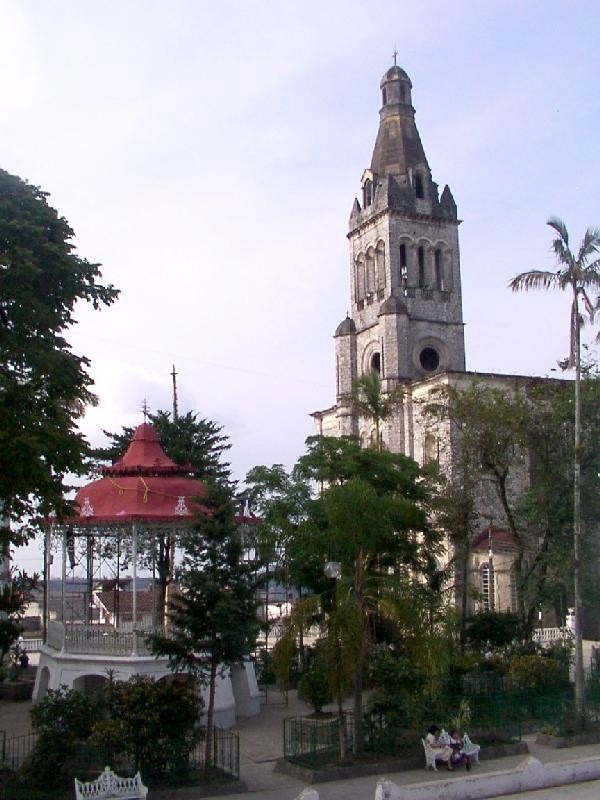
(145, 410)
(395, 55)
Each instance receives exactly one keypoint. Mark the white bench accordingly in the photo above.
(470, 748)
(109, 786)
(432, 754)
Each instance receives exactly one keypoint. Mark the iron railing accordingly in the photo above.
(15, 750)
(313, 742)
(225, 753)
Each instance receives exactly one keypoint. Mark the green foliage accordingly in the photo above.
(372, 402)
(14, 596)
(283, 655)
(63, 721)
(537, 672)
(490, 631)
(371, 517)
(314, 689)
(213, 617)
(152, 723)
(44, 385)
(397, 683)
(461, 719)
(498, 438)
(138, 724)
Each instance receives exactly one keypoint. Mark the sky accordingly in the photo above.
(208, 155)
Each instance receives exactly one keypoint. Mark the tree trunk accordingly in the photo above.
(342, 730)
(358, 672)
(210, 713)
(579, 675)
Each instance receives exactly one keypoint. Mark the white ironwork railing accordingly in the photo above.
(96, 639)
(31, 645)
(543, 635)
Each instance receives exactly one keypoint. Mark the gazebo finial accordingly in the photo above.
(145, 410)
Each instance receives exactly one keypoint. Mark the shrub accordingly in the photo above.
(139, 724)
(493, 630)
(537, 672)
(63, 719)
(314, 689)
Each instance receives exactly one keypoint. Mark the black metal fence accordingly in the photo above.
(224, 759)
(225, 753)
(313, 742)
(14, 750)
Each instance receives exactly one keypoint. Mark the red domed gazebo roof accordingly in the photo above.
(144, 485)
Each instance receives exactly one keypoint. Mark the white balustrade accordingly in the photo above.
(95, 639)
(543, 635)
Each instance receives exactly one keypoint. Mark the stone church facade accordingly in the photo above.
(406, 320)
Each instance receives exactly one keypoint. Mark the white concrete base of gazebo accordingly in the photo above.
(236, 694)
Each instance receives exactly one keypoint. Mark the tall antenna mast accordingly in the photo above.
(175, 409)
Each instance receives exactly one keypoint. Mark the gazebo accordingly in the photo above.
(127, 521)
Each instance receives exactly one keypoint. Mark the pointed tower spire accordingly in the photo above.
(398, 149)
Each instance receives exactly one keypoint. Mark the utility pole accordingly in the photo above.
(175, 409)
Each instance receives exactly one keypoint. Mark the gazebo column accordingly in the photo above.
(63, 599)
(134, 650)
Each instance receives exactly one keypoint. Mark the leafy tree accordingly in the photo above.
(580, 275)
(515, 444)
(44, 385)
(14, 596)
(281, 500)
(213, 618)
(372, 402)
(371, 518)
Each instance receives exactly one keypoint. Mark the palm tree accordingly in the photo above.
(581, 275)
(370, 401)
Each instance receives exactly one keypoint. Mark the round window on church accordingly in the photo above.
(429, 359)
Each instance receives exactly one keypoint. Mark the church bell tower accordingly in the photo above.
(406, 319)
(405, 287)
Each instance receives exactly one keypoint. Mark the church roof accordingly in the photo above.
(393, 305)
(346, 327)
(394, 73)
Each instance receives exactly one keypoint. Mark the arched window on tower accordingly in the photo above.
(367, 193)
(403, 265)
(439, 270)
(360, 279)
(402, 93)
(370, 286)
(384, 96)
(419, 185)
(376, 363)
(380, 261)
(421, 265)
